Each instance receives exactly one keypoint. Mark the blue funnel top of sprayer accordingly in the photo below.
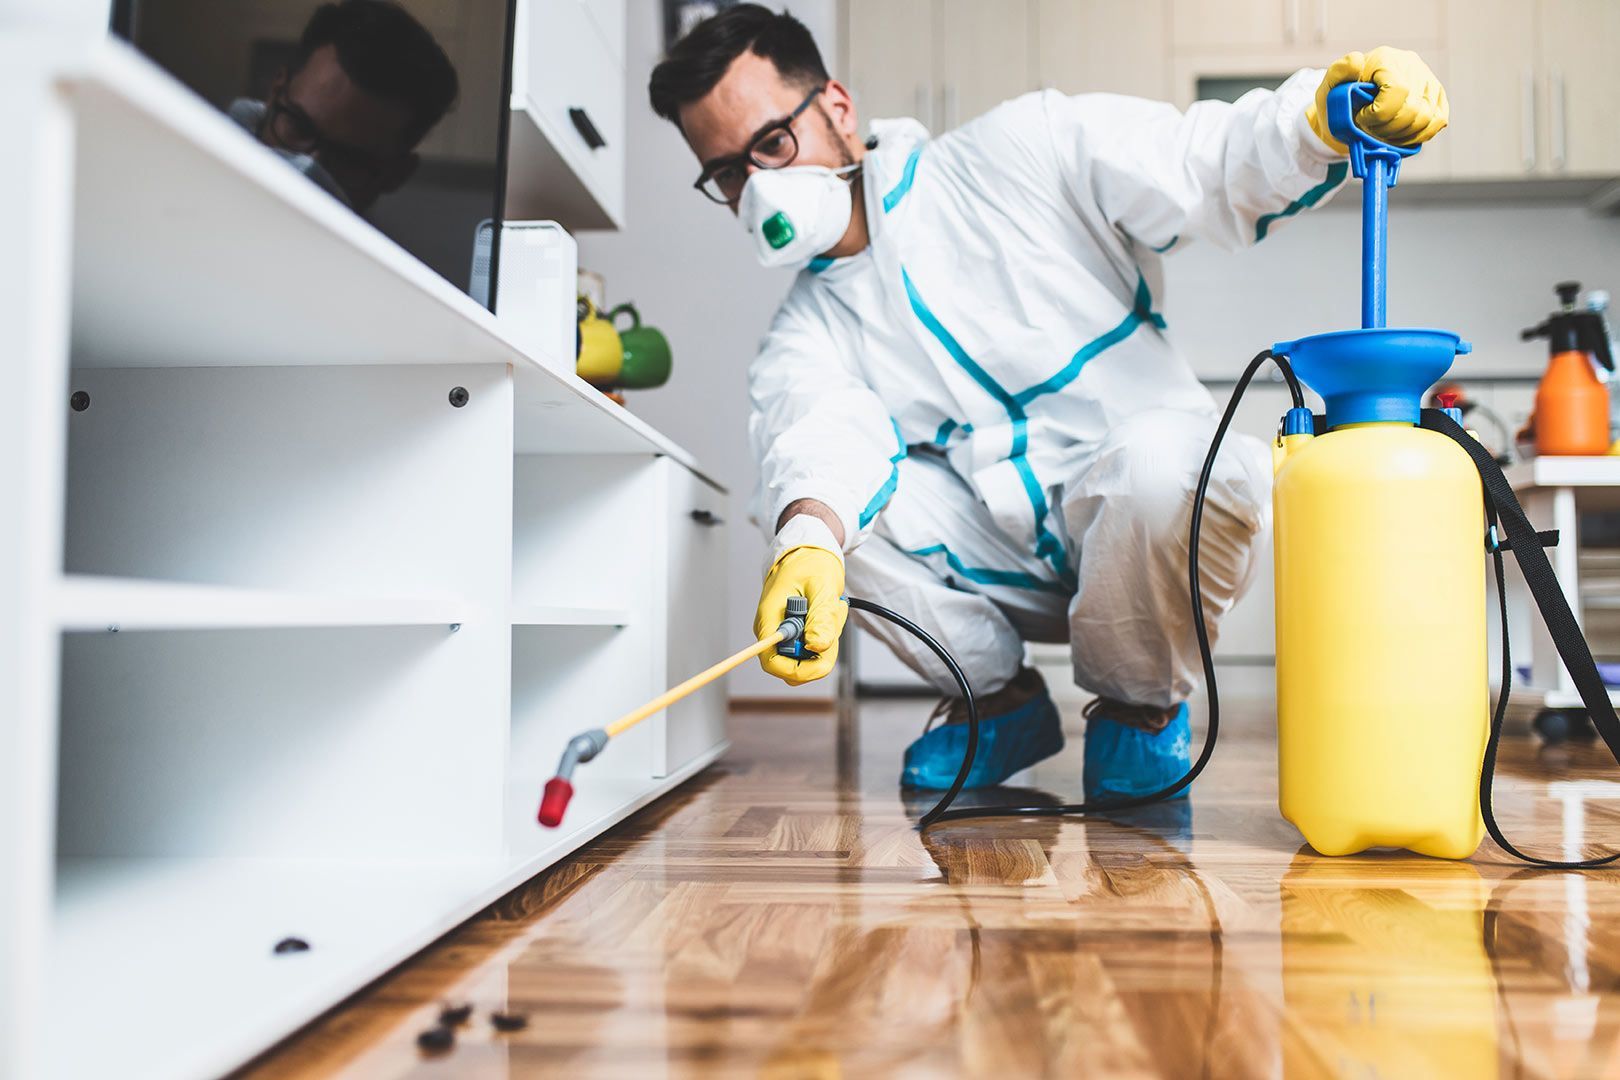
(1375, 373)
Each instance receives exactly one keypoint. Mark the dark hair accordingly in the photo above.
(388, 53)
(697, 61)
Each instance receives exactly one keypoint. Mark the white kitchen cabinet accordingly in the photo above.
(308, 573)
(567, 137)
(691, 573)
(1246, 25)
(891, 59)
(1112, 46)
(1343, 25)
(1580, 63)
(941, 61)
(1493, 130)
(1533, 87)
(1292, 25)
(986, 56)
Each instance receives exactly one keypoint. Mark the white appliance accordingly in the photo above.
(535, 298)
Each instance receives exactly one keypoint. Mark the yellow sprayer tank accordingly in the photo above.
(1382, 697)
(1380, 540)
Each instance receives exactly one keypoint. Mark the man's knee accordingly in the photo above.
(1150, 463)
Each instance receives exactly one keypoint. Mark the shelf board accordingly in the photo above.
(89, 603)
(529, 615)
(131, 937)
(222, 256)
(1565, 472)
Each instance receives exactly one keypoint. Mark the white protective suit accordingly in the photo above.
(986, 395)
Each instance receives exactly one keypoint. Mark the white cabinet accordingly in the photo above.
(1533, 83)
(308, 576)
(941, 61)
(693, 572)
(986, 56)
(1334, 26)
(1493, 89)
(1343, 25)
(1580, 63)
(1114, 46)
(1209, 25)
(568, 128)
(1534, 87)
(891, 59)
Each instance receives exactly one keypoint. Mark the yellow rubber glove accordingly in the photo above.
(817, 575)
(1411, 105)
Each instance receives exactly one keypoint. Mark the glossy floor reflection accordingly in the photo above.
(780, 916)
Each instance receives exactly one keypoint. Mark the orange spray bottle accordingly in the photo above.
(1572, 406)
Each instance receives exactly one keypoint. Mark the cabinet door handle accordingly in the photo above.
(1527, 122)
(950, 105)
(1291, 19)
(587, 130)
(1560, 128)
(925, 111)
(1321, 19)
(707, 518)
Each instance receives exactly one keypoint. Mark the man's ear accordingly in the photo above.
(840, 106)
(400, 170)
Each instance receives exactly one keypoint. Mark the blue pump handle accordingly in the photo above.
(1376, 164)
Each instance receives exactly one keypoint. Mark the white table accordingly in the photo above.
(1553, 491)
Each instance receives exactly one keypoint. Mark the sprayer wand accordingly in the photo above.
(587, 744)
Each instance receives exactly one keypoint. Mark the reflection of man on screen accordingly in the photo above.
(366, 84)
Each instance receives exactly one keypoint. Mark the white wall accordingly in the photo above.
(685, 263)
(1484, 270)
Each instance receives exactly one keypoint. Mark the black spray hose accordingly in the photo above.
(942, 811)
(967, 695)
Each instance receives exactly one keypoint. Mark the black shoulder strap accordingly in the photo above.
(1526, 545)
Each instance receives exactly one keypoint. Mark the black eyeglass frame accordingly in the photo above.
(315, 142)
(781, 126)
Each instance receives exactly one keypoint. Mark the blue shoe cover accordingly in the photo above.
(1007, 743)
(1122, 762)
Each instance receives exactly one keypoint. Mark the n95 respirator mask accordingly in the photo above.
(796, 213)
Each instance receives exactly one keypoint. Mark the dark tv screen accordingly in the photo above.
(396, 109)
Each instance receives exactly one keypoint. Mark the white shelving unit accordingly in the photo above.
(368, 563)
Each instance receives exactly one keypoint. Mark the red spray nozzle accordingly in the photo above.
(555, 801)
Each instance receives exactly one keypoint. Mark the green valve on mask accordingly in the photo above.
(778, 231)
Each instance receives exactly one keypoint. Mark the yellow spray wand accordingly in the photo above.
(587, 744)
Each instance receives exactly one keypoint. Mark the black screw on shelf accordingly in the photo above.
(436, 1039)
(459, 396)
(455, 1015)
(80, 401)
(455, 626)
(290, 945)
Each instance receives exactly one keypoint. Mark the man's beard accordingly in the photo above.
(844, 156)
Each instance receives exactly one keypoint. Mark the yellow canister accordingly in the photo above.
(1382, 689)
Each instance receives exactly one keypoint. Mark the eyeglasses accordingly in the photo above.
(774, 147)
(293, 129)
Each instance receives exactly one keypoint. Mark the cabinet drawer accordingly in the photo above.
(696, 553)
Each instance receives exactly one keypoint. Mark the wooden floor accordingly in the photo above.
(779, 916)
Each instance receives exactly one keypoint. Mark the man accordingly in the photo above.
(968, 409)
(367, 83)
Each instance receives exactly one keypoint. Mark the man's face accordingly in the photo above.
(360, 138)
(752, 96)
